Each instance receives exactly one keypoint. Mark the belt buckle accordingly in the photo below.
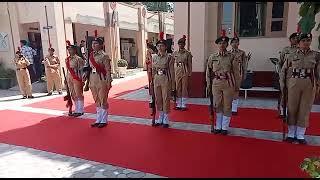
(94, 70)
(180, 64)
(160, 72)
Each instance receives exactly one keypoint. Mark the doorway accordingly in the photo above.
(36, 43)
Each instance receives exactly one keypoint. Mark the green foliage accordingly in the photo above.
(311, 166)
(6, 73)
(308, 11)
(122, 63)
(156, 6)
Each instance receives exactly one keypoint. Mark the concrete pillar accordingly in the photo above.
(57, 33)
(203, 32)
(112, 38)
(141, 37)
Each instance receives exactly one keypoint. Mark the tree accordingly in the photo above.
(156, 6)
(308, 11)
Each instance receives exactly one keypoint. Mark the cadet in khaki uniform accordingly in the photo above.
(285, 52)
(303, 82)
(100, 81)
(23, 76)
(225, 73)
(163, 78)
(52, 65)
(183, 70)
(74, 65)
(240, 57)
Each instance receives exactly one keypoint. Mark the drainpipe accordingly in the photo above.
(11, 28)
(64, 27)
(188, 31)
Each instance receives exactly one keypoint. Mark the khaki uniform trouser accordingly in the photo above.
(149, 73)
(53, 79)
(236, 93)
(162, 93)
(223, 95)
(76, 89)
(100, 90)
(24, 82)
(182, 86)
(301, 96)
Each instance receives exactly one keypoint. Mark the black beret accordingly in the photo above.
(234, 39)
(293, 35)
(162, 42)
(99, 40)
(226, 39)
(304, 36)
(51, 49)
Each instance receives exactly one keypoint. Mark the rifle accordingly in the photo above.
(211, 108)
(152, 104)
(68, 96)
(86, 68)
(285, 98)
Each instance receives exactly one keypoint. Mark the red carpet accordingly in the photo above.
(166, 152)
(248, 118)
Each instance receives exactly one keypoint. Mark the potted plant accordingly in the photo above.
(7, 77)
(122, 67)
(311, 166)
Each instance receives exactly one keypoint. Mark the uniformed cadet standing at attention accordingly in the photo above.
(303, 82)
(100, 80)
(74, 65)
(225, 73)
(163, 78)
(183, 71)
(240, 57)
(285, 52)
(23, 76)
(52, 69)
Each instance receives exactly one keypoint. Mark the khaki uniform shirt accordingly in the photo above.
(302, 60)
(240, 57)
(223, 63)
(103, 60)
(21, 62)
(285, 51)
(164, 62)
(51, 63)
(185, 57)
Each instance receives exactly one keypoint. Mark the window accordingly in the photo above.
(277, 19)
(267, 19)
(227, 17)
(251, 19)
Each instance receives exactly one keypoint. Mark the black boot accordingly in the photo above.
(289, 139)
(217, 131)
(301, 141)
(94, 124)
(101, 125)
(224, 132)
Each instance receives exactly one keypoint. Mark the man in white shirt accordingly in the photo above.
(29, 53)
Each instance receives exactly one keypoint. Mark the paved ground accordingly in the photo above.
(17, 161)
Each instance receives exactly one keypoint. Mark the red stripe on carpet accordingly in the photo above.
(248, 118)
(166, 152)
